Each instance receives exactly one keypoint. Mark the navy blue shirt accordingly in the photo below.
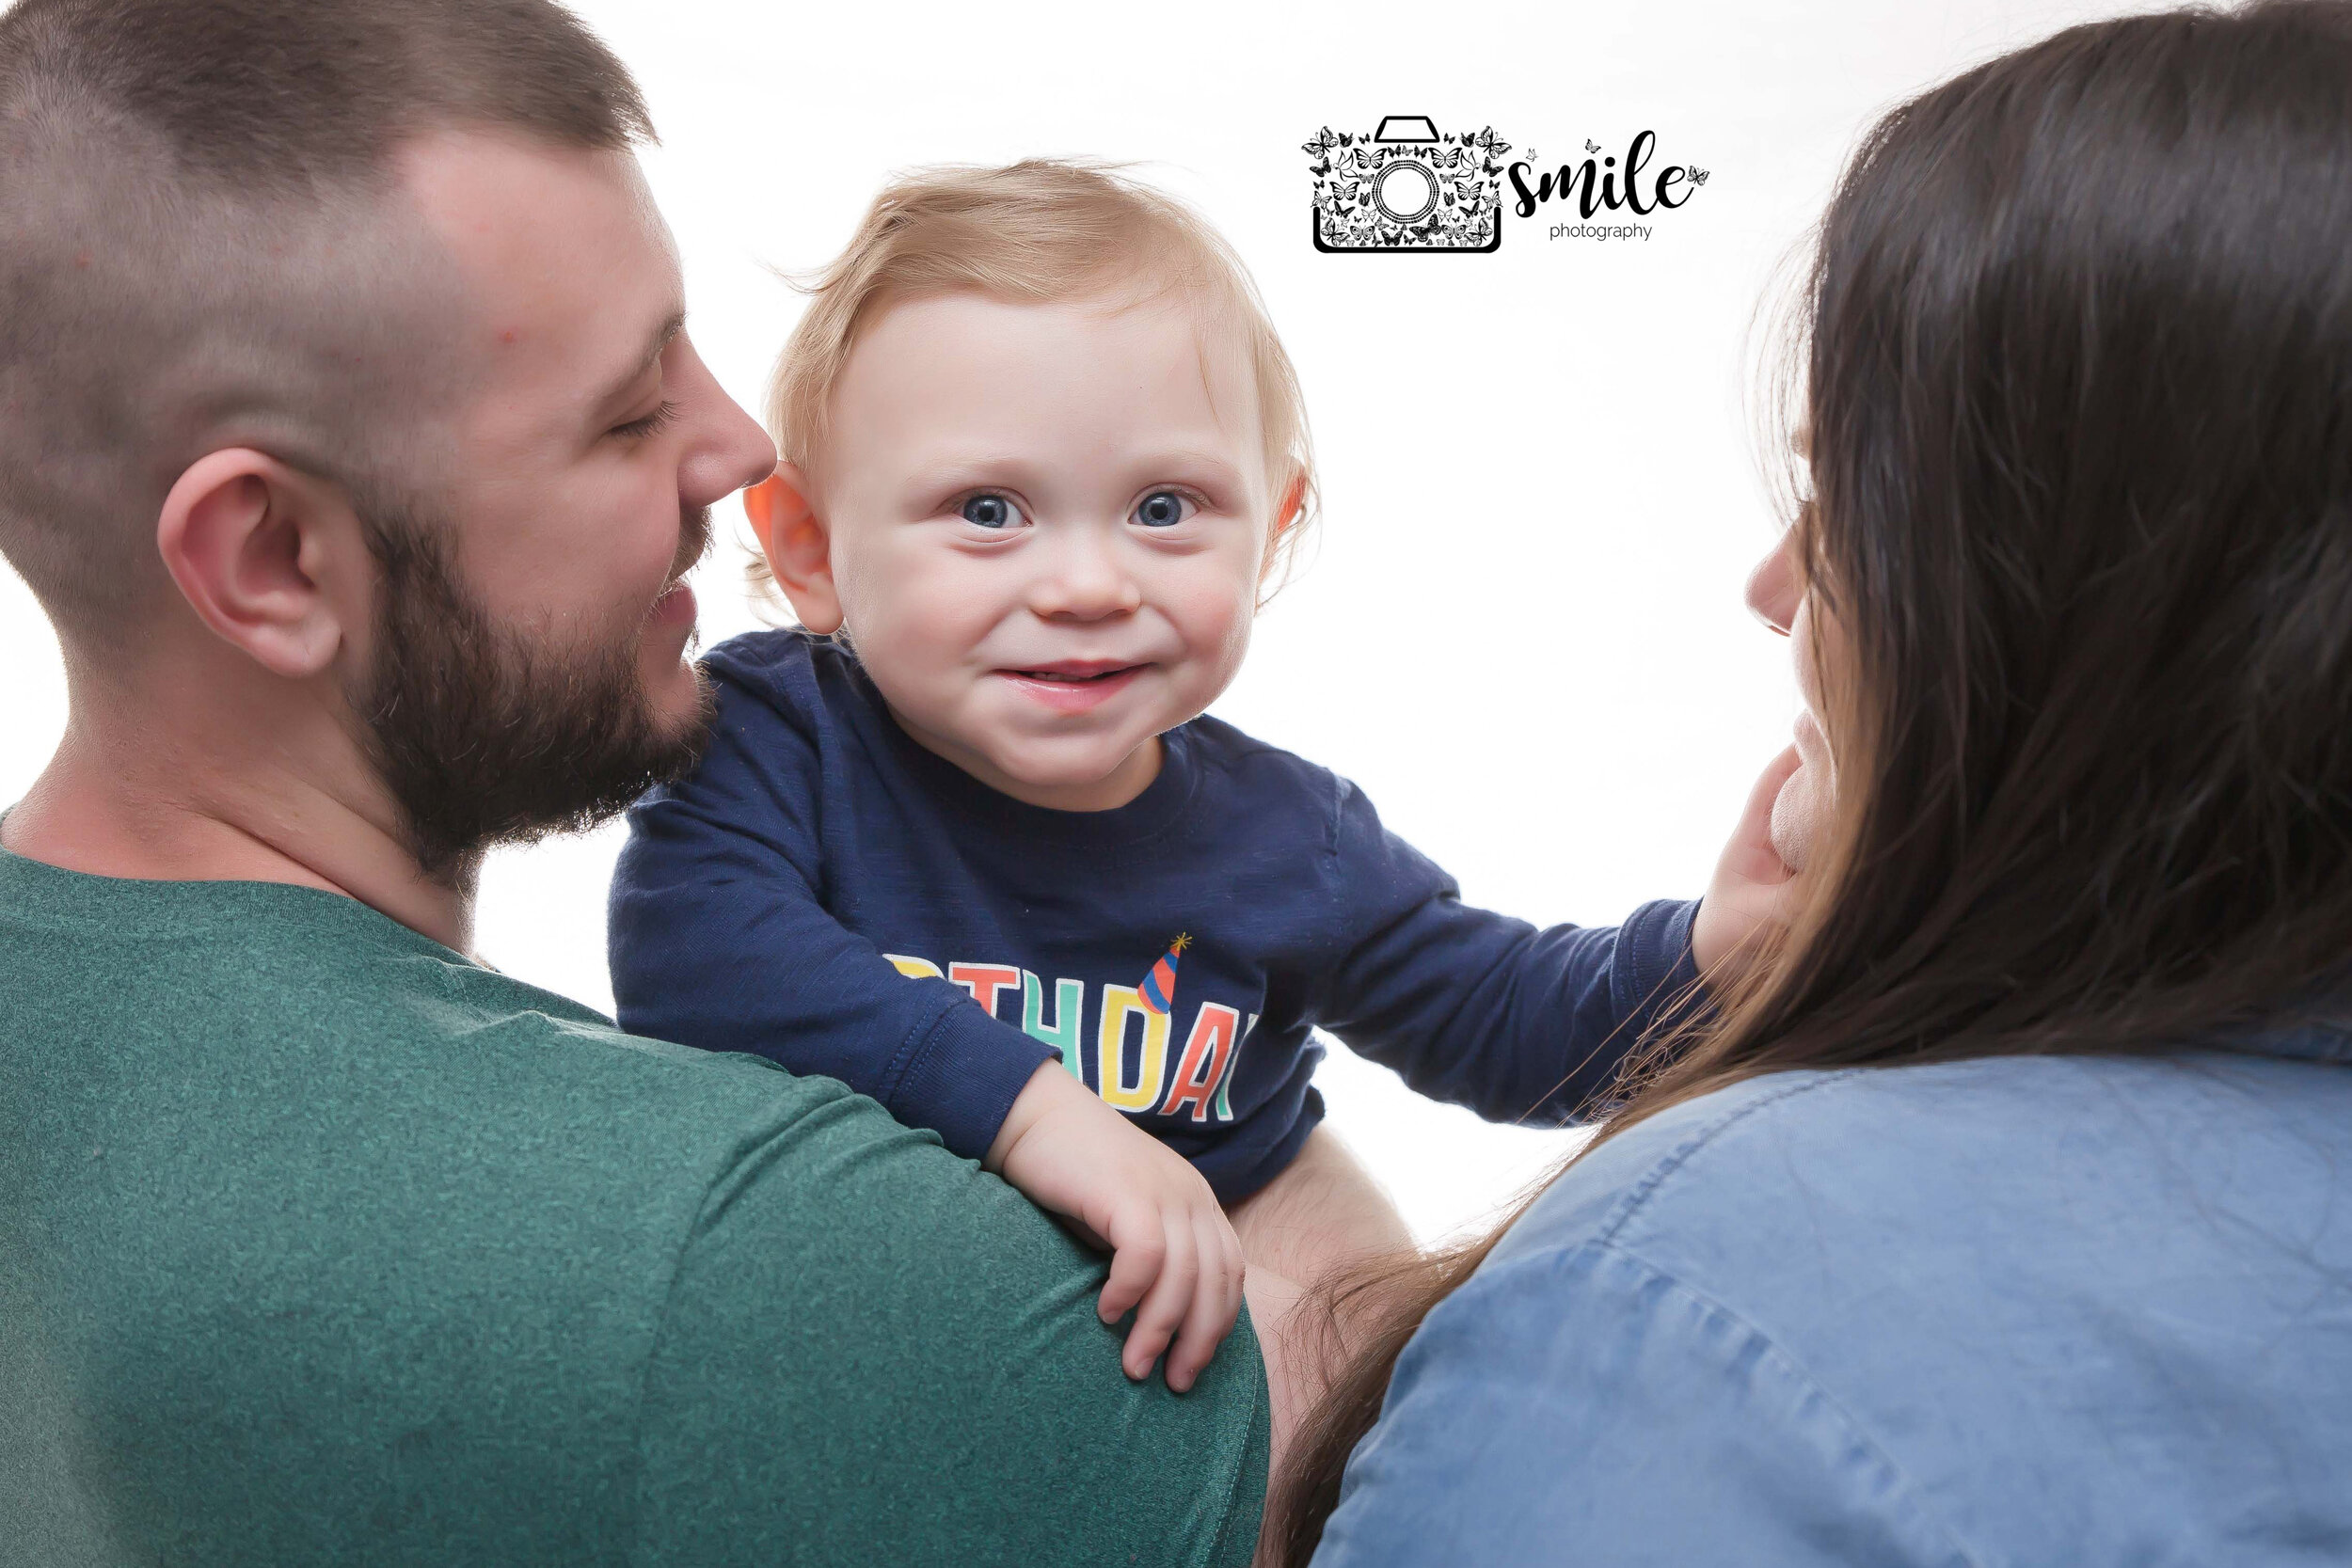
(826, 892)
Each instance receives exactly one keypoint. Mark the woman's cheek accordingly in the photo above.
(1801, 811)
(1797, 812)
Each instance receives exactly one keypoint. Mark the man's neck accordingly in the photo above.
(110, 806)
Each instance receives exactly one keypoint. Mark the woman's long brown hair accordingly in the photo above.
(2078, 382)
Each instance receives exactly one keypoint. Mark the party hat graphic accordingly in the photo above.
(1159, 987)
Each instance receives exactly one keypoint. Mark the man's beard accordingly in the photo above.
(485, 738)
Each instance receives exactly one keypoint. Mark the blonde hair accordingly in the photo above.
(1042, 230)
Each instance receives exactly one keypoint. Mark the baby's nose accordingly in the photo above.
(1084, 579)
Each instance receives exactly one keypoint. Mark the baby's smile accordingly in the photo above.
(1049, 524)
(1074, 685)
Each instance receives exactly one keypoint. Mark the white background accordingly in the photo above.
(1522, 631)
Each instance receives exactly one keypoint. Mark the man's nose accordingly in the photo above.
(728, 449)
(1774, 588)
(1084, 579)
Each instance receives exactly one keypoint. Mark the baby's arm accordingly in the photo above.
(718, 939)
(1176, 1261)
(1489, 1012)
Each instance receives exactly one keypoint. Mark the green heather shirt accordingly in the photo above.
(320, 1242)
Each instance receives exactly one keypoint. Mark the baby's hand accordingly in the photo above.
(1175, 1258)
(1753, 894)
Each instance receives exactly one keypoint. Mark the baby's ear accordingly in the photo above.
(770, 498)
(1293, 501)
(1285, 518)
(798, 545)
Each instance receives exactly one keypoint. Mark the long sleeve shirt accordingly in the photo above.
(827, 893)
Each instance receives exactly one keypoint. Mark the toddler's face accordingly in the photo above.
(1046, 526)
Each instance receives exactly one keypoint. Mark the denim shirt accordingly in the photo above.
(2077, 1310)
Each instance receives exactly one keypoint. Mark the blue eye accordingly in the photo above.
(1162, 509)
(990, 511)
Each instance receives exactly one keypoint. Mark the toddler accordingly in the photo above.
(964, 840)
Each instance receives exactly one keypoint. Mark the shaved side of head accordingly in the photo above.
(202, 245)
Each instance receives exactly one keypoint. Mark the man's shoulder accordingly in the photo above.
(588, 1108)
(303, 1026)
(366, 1244)
(569, 1057)
(295, 1041)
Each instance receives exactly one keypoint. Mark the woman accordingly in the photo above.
(2004, 1213)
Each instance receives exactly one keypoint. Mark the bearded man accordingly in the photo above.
(351, 438)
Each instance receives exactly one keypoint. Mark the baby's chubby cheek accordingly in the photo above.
(1214, 623)
(924, 677)
(1210, 671)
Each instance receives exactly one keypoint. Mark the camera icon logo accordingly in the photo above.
(1406, 187)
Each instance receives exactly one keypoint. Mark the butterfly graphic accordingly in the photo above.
(1591, 146)
(1348, 167)
(1698, 177)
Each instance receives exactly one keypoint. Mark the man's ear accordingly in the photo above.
(256, 548)
(797, 545)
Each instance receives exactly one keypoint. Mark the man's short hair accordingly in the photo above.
(197, 249)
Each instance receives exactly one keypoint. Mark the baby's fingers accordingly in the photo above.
(1138, 1254)
(1216, 1301)
(1169, 1303)
(1751, 856)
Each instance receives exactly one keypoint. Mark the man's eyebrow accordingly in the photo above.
(663, 337)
